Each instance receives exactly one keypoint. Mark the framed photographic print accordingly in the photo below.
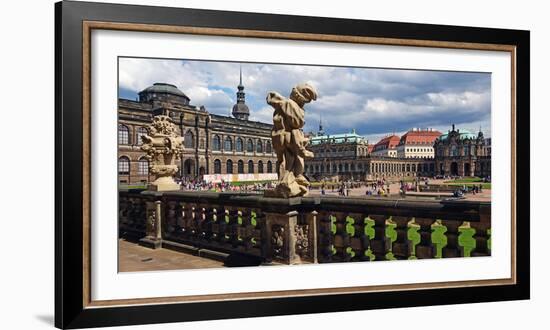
(218, 164)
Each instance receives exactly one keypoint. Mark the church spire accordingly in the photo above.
(321, 132)
(240, 109)
(241, 75)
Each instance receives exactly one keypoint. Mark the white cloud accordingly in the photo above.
(373, 101)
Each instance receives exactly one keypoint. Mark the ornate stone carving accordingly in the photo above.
(278, 241)
(163, 147)
(288, 140)
(302, 241)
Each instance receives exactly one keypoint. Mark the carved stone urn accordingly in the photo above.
(163, 147)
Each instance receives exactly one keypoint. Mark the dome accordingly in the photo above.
(163, 88)
(241, 108)
(165, 93)
(463, 135)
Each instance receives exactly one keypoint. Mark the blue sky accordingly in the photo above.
(374, 102)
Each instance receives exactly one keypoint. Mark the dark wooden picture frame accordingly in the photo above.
(73, 24)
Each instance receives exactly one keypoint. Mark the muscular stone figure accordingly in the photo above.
(289, 141)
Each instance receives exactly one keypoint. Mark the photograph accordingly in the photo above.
(220, 164)
(232, 164)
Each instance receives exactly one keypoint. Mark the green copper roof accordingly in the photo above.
(337, 138)
(464, 134)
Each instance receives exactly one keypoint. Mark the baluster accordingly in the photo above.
(425, 249)
(201, 222)
(217, 218)
(223, 221)
(369, 234)
(209, 216)
(400, 246)
(257, 222)
(193, 222)
(378, 244)
(326, 233)
(247, 229)
(348, 231)
(452, 249)
(391, 236)
(170, 221)
(481, 238)
(438, 238)
(358, 239)
(233, 227)
(465, 239)
(180, 219)
(338, 229)
(413, 237)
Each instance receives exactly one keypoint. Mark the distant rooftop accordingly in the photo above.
(351, 137)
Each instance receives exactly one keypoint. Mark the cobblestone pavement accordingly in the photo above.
(135, 258)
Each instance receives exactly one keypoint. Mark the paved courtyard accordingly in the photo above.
(394, 191)
(135, 258)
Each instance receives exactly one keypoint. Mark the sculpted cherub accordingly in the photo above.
(288, 139)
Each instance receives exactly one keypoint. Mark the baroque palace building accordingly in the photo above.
(213, 144)
(418, 152)
(462, 153)
(349, 157)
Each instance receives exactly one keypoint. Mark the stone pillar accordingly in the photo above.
(311, 221)
(153, 237)
(281, 237)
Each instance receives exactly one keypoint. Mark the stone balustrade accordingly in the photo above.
(307, 229)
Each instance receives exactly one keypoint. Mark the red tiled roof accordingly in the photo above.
(370, 147)
(389, 142)
(419, 137)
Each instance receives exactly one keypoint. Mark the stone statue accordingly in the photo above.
(288, 140)
(163, 147)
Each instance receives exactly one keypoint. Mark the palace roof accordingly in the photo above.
(351, 137)
(463, 135)
(388, 142)
(418, 136)
(164, 88)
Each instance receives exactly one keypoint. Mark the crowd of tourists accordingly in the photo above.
(223, 186)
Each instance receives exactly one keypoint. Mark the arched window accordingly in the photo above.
(249, 145)
(217, 166)
(216, 143)
(228, 144)
(123, 165)
(260, 167)
(269, 167)
(250, 166)
(123, 134)
(143, 166)
(268, 148)
(189, 140)
(339, 167)
(229, 165)
(240, 167)
(239, 144)
(259, 146)
(141, 131)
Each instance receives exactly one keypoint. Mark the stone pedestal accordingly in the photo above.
(291, 237)
(153, 238)
(169, 186)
